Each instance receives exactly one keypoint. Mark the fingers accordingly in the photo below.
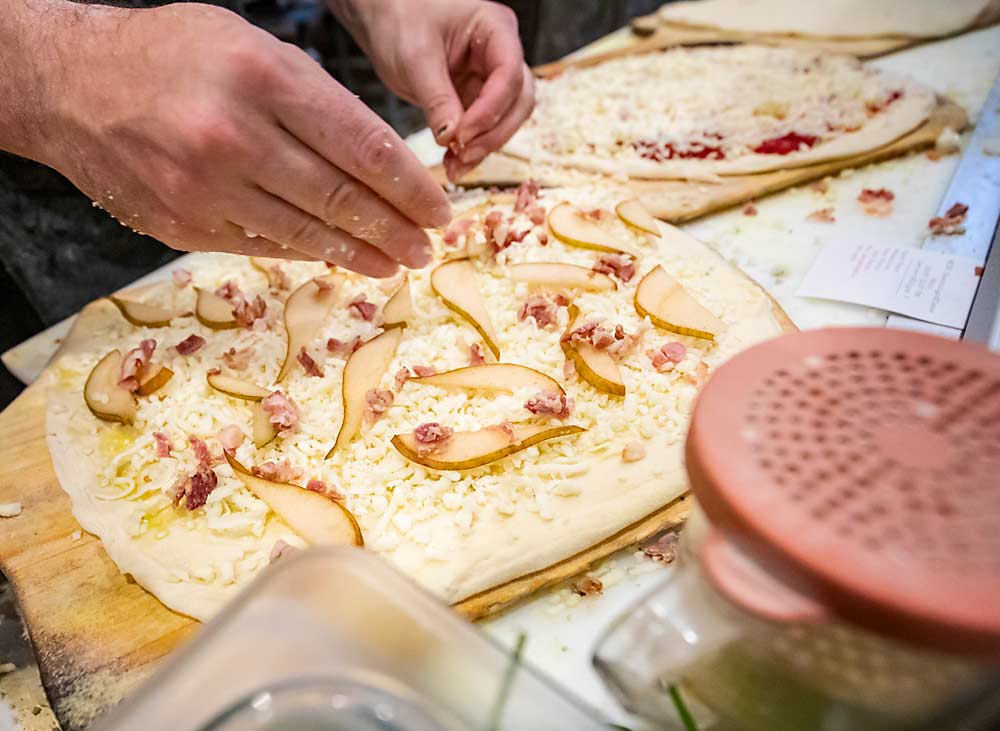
(307, 181)
(434, 92)
(493, 139)
(285, 224)
(226, 237)
(503, 67)
(331, 121)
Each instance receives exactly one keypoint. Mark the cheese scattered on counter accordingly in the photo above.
(10, 510)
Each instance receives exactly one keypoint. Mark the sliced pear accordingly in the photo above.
(263, 430)
(154, 381)
(469, 449)
(562, 276)
(104, 397)
(143, 315)
(236, 387)
(264, 263)
(455, 282)
(214, 311)
(492, 377)
(305, 312)
(318, 519)
(595, 366)
(363, 372)
(671, 307)
(572, 226)
(399, 309)
(634, 214)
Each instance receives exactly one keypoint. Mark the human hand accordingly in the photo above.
(459, 60)
(187, 123)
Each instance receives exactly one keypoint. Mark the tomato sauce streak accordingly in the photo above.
(785, 144)
(660, 151)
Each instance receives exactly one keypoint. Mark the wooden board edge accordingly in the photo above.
(491, 601)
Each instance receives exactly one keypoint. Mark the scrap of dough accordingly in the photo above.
(831, 18)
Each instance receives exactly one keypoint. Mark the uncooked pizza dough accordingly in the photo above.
(704, 112)
(831, 18)
(455, 532)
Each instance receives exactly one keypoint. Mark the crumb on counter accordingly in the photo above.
(10, 510)
(76, 535)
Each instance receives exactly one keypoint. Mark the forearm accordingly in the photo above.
(40, 41)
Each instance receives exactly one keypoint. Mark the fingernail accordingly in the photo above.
(473, 155)
(442, 132)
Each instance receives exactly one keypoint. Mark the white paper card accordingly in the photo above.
(922, 284)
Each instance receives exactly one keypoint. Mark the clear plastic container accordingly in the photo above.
(335, 640)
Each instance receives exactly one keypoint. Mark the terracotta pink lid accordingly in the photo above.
(862, 466)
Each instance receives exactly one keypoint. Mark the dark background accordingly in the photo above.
(57, 252)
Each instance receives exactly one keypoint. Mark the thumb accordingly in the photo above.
(435, 93)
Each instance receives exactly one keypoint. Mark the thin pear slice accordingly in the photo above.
(492, 377)
(561, 276)
(104, 397)
(263, 430)
(154, 381)
(316, 518)
(671, 307)
(399, 309)
(264, 263)
(236, 387)
(142, 315)
(363, 372)
(634, 214)
(456, 283)
(305, 312)
(595, 366)
(214, 311)
(469, 449)
(572, 226)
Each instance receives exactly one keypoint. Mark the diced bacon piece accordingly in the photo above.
(750, 210)
(625, 343)
(663, 549)
(527, 195)
(278, 279)
(247, 313)
(422, 371)
(876, 202)
(308, 364)
(431, 437)
(951, 223)
(230, 290)
(135, 363)
(322, 285)
(163, 445)
(633, 452)
(279, 550)
(543, 238)
(402, 376)
(536, 215)
(621, 265)
(507, 428)
(602, 338)
(822, 215)
(588, 586)
(181, 278)
(362, 309)
(190, 344)
(456, 231)
(492, 220)
(541, 309)
(202, 453)
(699, 376)
(202, 483)
(280, 471)
(819, 186)
(476, 355)
(230, 437)
(176, 491)
(343, 347)
(594, 333)
(550, 403)
(324, 489)
(660, 362)
(238, 360)
(281, 410)
(667, 356)
(377, 402)
(569, 369)
(597, 214)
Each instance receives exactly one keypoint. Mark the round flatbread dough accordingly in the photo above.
(831, 19)
(703, 112)
(456, 532)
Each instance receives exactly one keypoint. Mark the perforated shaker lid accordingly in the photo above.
(865, 465)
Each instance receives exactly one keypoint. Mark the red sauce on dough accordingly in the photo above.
(660, 151)
(785, 144)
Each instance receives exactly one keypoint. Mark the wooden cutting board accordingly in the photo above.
(678, 201)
